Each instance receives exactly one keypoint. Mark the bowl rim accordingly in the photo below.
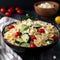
(5, 40)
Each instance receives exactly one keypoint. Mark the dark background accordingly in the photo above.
(24, 4)
(28, 4)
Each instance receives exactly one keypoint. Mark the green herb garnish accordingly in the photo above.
(28, 16)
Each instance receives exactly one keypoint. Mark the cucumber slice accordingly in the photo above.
(36, 25)
(19, 40)
(27, 31)
(25, 37)
(25, 45)
(23, 28)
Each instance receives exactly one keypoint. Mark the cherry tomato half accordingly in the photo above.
(33, 45)
(55, 37)
(3, 10)
(11, 9)
(41, 30)
(33, 37)
(19, 11)
(10, 27)
(17, 34)
(8, 14)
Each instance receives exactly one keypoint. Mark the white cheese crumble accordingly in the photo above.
(48, 42)
(31, 32)
(29, 22)
(45, 5)
(24, 22)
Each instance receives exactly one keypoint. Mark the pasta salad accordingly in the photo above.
(31, 34)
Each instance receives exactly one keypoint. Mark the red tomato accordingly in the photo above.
(10, 10)
(3, 10)
(19, 11)
(33, 45)
(17, 34)
(17, 8)
(8, 14)
(10, 27)
(32, 37)
(55, 37)
(41, 30)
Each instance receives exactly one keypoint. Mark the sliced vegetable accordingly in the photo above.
(23, 28)
(32, 37)
(41, 30)
(55, 37)
(36, 25)
(17, 34)
(10, 27)
(33, 45)
(27, 31)
(25, 45)
(18, 40)
(25, 37)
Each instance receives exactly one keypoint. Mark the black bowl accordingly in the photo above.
(20, 49)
